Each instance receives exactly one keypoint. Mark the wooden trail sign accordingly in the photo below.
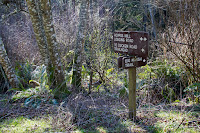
(135, 45)
(132, 43)
(129, 62)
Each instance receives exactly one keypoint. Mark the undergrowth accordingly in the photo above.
(101, 112)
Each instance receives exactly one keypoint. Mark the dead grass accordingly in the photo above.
(104, 112)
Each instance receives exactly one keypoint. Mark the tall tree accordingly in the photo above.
(52, 44)
(7, 66)
(91, 43)
(77, 64)
(41, 17)
(37, 24)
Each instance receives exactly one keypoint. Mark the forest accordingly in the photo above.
(60, 70)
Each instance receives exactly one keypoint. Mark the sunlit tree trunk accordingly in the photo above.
(41, 17)
(37, 24)
(53, 45)
(90, 17)
(7, 66)
(77, 64)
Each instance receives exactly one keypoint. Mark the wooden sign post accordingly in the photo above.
(132, 92)
(135, 45)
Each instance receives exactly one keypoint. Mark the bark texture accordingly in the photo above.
(77, 66)
(7, 66)
(37, 24)
(52, 44)
(41, 17)
(90, 18)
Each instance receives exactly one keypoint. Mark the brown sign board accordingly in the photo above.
(129, 62)
(132, 43)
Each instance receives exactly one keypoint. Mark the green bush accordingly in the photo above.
(164, 78)
(193, 91)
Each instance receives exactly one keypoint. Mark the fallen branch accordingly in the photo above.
(5, 116)
(180, 124)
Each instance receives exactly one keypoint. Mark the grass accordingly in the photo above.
(176, 121)
(24, 125)
(98, 113)
(169, 122)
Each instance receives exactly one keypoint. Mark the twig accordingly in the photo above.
(5, 116)
(180, 124)
(197, 125)
(180, 43)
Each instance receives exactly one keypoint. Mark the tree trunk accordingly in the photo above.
(37, 24)
(7, 66)
(90, 17)
(41, 17)
(77, 66)
(53, 45)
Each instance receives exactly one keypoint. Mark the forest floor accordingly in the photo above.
(97, 112)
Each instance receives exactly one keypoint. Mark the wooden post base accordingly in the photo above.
(132, 93)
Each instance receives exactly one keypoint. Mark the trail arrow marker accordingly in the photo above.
(143, 50)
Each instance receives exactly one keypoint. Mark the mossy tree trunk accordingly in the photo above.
(39, 32)
(41, 17)
(37, 23)
(7, 66)
(77, 63)
(53, 45)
